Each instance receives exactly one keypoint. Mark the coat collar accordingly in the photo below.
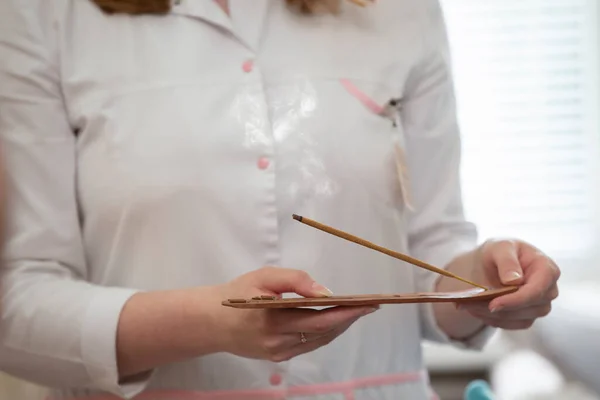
(245, 23)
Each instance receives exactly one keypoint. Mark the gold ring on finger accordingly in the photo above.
(303, 338)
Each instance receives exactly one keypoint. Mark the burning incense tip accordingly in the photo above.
(297, 217)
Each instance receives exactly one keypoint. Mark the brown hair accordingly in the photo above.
(136, 7)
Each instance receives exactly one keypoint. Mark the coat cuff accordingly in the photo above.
(98, 344)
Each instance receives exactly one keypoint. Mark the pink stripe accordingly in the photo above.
(366, 100)
(347, 388)
(359, 383)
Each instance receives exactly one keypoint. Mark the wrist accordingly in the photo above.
(458, 324)
(478, 328)
(162, 327)
(205, 318)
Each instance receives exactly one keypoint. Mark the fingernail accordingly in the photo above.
(322, 290)
(512, 276)
(495, 309)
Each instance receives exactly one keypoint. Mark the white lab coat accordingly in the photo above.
(156, 152)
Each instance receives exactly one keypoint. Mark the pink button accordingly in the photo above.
(263, 163)
(276, 379)
(248, 66)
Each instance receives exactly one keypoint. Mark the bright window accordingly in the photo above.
(527, 80)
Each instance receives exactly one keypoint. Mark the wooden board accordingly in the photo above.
(471, 295)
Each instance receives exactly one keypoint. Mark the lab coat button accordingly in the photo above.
(276, 379)
(248, 66)
(263, 163)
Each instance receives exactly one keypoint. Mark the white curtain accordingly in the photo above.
(527, 77)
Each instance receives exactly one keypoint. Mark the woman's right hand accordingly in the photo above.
(277, 334)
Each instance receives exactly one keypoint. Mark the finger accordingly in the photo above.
(552, 293)
(504, 255)
(316, 321)
(302, 348)
(519, 315)
(289, 340)
(472, 305)
(539, 286)
(510, 325)
(485, 306)
(282, 280)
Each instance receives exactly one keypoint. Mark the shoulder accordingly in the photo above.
(32, 16)
(30, 23)
(399, 11)
(419, 21)
(28, 41)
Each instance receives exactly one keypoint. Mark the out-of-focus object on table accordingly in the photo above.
(570, 335)
(479, 390)
(569, 338)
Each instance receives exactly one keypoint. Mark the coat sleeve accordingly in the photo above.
(57, 329)
(438, 231)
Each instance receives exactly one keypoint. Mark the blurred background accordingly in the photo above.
(528, 85)
(527, 78)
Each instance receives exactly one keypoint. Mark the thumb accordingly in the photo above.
(505, 257)
(283, 280)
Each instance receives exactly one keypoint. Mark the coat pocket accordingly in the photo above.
(389, 112)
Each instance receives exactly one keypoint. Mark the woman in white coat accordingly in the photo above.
(156, 152)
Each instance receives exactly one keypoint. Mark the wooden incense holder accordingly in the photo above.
(465, 296)
(478, 294)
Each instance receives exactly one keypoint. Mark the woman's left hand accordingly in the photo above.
(514, 262)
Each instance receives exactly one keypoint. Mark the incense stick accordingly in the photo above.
(391, 253)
